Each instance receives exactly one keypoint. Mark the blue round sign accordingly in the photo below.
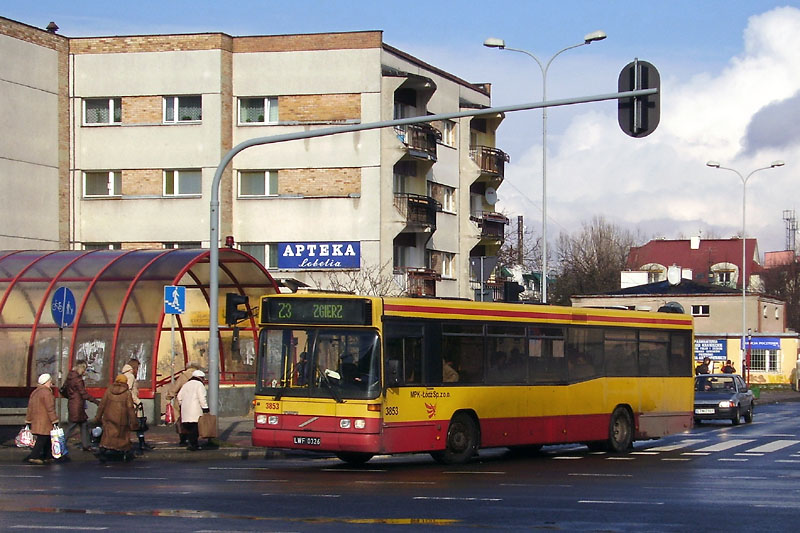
(62, 307)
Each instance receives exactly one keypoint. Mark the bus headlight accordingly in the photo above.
(344, 423)
(360, 423)
(261, 419)
(273, 420)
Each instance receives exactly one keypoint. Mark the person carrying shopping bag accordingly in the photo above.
(193, 401)
(116, 413)
(77, 396)
(41, 416)
(130, 371)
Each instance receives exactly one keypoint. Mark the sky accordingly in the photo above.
(730, 92)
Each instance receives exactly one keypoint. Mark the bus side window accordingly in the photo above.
(403, 359)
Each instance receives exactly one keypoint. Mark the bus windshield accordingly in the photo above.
(319, 362)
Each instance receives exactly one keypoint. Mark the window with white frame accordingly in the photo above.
(448, 131)
(258, 183)
(105, 183)
(265, 252)
(183, 109)
(701, 310)
(448, 265)
(764, 360)
(263, 110)
(444, 195)
(183, 182)
(97, 111)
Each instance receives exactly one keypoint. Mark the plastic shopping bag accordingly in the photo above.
(25, 439)
(169, 415)
(58, 443)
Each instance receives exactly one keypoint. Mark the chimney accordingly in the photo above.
(694, 243)
(52, 27)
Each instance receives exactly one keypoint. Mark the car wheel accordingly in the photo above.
(463, 437)
(737, 416)
(748, 415)
(620, 431)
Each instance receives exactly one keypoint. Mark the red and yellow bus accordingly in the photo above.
(359, 376)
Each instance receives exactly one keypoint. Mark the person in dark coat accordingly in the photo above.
(703, 368)
(116, 413)
(41, 416)
(76, 404)
(728, 368)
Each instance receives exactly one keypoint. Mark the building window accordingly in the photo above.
(104, 183)
(448, 130)
(700, 310)
(183, 109)
(102, 246)
(258, 183)
(183, 183)
(266, 253)
(444, 195)
(764, 360)
(102, 111)
(448, 265)
(402, 257)
(258, 110)
(181, 244)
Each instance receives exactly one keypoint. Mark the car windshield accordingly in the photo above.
(714, 384)
(315, 362)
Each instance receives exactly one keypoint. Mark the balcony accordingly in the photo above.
(493, 225)
(490, 160)
(420, 139)
(421, 281)
(419, 211)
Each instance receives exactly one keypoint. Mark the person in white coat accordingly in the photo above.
(193, 401)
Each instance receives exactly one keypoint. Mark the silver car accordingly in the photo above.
(722, 397)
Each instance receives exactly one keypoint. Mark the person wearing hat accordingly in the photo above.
(193, 402)
(41, 416)
(172, 393)
(131, 370)
(76, 404)
(116, 413)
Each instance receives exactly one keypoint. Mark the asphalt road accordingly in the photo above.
(714, 478)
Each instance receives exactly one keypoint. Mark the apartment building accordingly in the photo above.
(137, 126)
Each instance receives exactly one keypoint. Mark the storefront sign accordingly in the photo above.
(715, 349)
(763, 343)
(319, 255)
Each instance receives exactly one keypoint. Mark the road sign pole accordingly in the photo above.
(172, 348)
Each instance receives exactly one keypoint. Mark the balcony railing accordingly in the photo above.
(493, 225)
(490, 160)
(418, 210)
(420, 140)
(421, 281)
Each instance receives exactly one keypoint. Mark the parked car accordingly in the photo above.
(722, 397)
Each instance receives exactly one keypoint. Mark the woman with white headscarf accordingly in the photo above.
(41, 416)
(193, 401)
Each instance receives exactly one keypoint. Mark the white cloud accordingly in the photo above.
(660, 185)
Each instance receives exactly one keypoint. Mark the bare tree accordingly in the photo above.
(371, 280)
(509, 252)
(783, 282)
(590, 262)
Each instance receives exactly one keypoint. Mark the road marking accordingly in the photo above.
(600, 475)
(648, 452)
(237, 468)
(396, 482)
(20, 476)
(620, 502)
(297, 495)
(476, 472)
(731, 460)
(71, 528)
(612, 458)
(696, 454)
(258, 480)
(541, 486)
(722, 446)
(141, 478)
(567, 457)
(787, 460)
(773, 446)
(457, 499)
(747, 454)
(675, 459)
(352, 470)
(672, 447)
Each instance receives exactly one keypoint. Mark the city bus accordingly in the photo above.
(358, 376)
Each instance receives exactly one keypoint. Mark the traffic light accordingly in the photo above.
(511, 291)
(638, 116)
(232, 312)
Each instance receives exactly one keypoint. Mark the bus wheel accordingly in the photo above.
(620, 431)
(462, 441)
(354, 458)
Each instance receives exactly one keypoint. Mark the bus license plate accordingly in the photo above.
(308, 441)
(704, 411)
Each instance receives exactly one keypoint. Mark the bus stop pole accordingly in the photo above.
(213, 300)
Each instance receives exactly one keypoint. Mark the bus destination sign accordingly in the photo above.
(333, 311)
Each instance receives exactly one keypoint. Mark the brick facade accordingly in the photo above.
(319, 107)
(320, 181)
(150, 43)
(142, 182)
(142, 110)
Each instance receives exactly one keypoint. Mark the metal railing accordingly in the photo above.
(420, 139)
(490, 160)
(417, 209)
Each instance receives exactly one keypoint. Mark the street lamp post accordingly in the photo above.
(744, 179)
(493, 42)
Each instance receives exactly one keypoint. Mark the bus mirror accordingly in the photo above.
(393, 373)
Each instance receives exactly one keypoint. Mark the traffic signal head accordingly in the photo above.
(233, 314)
(638, 116)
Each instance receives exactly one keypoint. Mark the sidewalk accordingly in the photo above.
(234, 438)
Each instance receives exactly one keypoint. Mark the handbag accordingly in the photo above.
(58, 443)
(169, 415)
(207, 426)
(142, 419)
(25, 438)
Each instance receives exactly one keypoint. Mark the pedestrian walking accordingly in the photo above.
(41, 416)
(172, 393)
(130, 371)
(193, 401)
(116, 414)
(77, 396)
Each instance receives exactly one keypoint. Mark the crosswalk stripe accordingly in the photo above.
(773, 446)
(727, 445)
(671, 447)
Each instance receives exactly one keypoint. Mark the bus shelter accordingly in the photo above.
(120, 314)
